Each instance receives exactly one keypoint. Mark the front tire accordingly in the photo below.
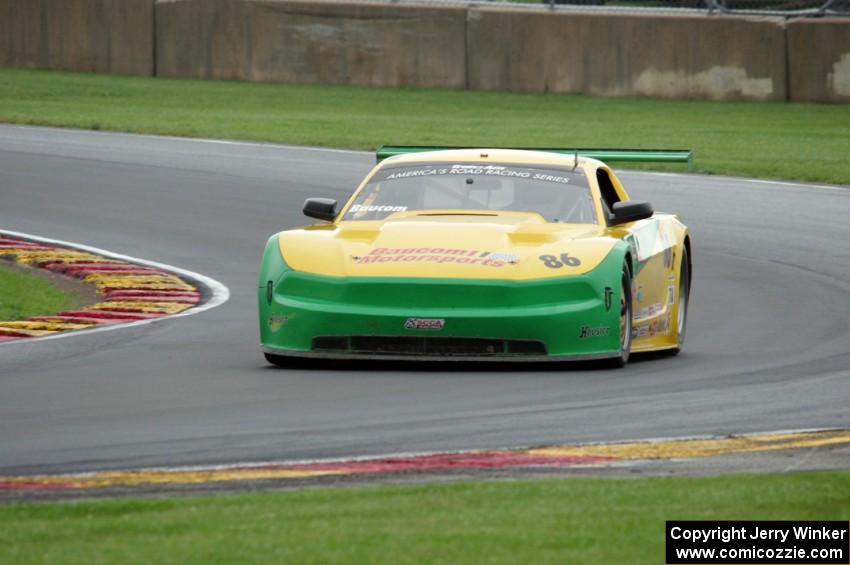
(625, 318)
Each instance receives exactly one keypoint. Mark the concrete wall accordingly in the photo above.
(312, 42)
(109, 36)
(627, 55)
(202, 39)
(389, 45)
(20, 37)
(819, 60)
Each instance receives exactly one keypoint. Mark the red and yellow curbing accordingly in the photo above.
(703, 447)
(130, 292)
(565, 456)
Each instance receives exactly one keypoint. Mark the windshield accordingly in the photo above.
(559, 195)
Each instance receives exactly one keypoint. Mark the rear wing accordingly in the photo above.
(620, 155)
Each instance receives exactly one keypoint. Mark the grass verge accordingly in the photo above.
(774, 140)
(558, 521)
(23, 295)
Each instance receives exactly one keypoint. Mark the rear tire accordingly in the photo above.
(683, 298)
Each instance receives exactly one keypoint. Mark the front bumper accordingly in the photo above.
(566, 318)
(348, 356)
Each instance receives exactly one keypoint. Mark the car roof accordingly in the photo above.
(487, 155)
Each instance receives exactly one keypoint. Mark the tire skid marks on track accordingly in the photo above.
(565, 456)
(131, 292)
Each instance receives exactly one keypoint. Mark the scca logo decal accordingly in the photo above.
(424, 324)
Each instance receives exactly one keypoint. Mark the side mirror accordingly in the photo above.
(320, 208)
(630, 211)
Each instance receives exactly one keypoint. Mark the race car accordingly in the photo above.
(480, 254)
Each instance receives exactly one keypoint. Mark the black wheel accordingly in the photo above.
(625, 318)
(682, 306)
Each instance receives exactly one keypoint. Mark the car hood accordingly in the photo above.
(517, 246)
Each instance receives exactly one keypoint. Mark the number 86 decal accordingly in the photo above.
(556, 263)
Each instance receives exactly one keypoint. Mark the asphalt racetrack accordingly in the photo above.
(768, 344)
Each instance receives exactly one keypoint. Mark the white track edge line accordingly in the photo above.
(361, 152)
(362, 458)
(194, 139)
(219, 292)
(625, 172)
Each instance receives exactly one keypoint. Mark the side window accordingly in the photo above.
(607, 190)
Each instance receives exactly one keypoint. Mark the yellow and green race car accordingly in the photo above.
(480, 254)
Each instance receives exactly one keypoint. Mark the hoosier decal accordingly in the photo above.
(593, 331)
(277, 321)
